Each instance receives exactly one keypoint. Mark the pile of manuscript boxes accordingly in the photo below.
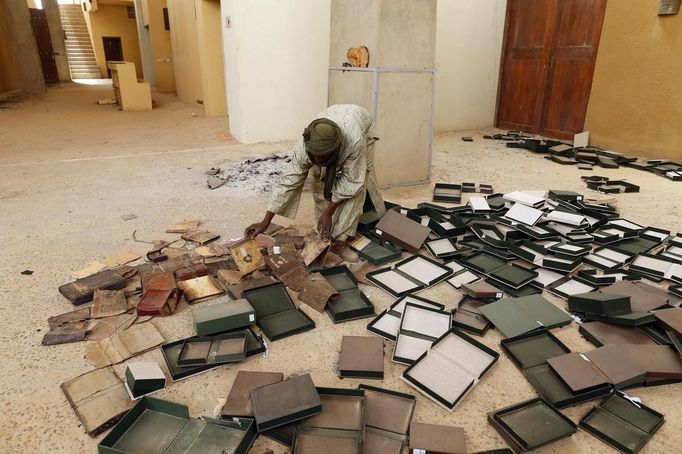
(621, 283)
(586, 157)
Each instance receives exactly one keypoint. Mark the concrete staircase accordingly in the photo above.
(79, 50)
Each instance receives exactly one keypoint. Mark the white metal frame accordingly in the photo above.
(375, 102)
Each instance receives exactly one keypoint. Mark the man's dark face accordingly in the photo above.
(319, 160)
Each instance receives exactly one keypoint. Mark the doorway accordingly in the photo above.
(549, 53)
(113, 50)
(41, 32)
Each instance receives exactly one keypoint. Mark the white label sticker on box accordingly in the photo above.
(379, 232)
(252, 318)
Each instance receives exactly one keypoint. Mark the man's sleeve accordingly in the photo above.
(351, 179)
(286, 195)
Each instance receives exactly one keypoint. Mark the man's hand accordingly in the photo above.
(324, 226)
(325, 223)
(254, 230)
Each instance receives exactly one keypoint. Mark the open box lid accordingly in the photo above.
(524, 214)
(423, 269)
(387, 324)
(238, 401)
(622, 424)
(312, 440)
(171, 353)
(342, 409)
(269, 299)
(285, 402)
(160, 426)
(532, 424)
(388, 410)
(599, 334)
(577, 371)
(450, 368)
(437, 438)
(532, 349)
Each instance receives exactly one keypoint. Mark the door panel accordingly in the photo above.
(523, 70)
(574, 53)
(42, 35)
(520, 105)
(548, 62)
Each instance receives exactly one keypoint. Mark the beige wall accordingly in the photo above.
(161, 47)
(9, 79)
(197, 53)
(113, 21)
(468, 44)
(636, 100)
(211, 57)
(276, 64)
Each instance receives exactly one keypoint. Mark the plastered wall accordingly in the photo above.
(211, 57)
(161, 47)
(113, 21)
(9, 79)
(636, 99)
(184, 46)
(276, 60)
(197, 56)
(468, 47)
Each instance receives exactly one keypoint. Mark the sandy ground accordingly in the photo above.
(70, 173)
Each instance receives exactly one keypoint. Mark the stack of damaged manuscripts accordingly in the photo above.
(505, 257)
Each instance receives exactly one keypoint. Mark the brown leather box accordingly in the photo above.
(658, 361)
(402, 231)
(577, 371)
(362, 357)
(285, 402)
(643, 297)
(670, 318)
(161, 296)
(239, 400)
(82, 290)
(600, 334)
(620, 368)
(436, 439)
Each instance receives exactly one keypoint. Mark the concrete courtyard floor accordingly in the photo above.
(71, 169)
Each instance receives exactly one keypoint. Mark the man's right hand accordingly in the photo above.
(254, 230)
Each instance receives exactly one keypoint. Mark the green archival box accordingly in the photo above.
(158, 426)
(622, 424)
(530, 353)
(606, 304)
(221, 317)
(276, 314)
(351, 303)
(144, 378)
(171, 354)
(515, 316)
(221, 349)
(531, 424)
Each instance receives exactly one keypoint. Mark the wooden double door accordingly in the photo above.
(549, 53)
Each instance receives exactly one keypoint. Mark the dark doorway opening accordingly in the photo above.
(113, 50)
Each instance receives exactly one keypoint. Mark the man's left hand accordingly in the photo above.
(324, 226)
